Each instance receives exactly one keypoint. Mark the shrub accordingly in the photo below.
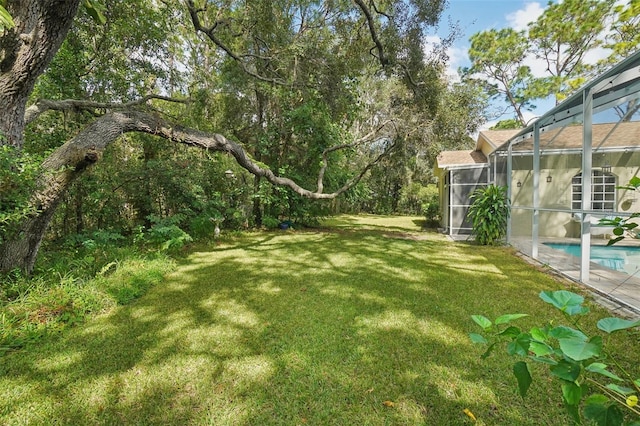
(31, 308)
(590, 377)
(489, 212)
(166, 234)
(431, 204)
(270, 222)
(18, 176)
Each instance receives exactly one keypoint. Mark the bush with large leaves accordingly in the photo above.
(489, 212)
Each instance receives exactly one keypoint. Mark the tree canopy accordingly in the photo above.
(561, 38)
(286, 101)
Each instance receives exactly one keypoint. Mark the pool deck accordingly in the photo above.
(618, 291)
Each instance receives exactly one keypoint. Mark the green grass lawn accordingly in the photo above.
(364, 322)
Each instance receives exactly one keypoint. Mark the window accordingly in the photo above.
(603, 191)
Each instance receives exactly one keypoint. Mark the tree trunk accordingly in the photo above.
(25, 52)
(20, 253)
(143, 203)
(257, 203)
(78, 207)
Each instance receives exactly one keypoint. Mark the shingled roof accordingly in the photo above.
(605, 136)
(496, 137)
(460, 158)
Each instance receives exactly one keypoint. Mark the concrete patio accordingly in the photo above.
(618, 291)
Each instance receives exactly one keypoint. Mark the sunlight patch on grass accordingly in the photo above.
(232, 312)
(177, 381)
(218, 339)
(341, 291)
(296, 360)
(58, 362)
(15, 392)
(176, 322)
(439, 331)
(97, 327)
(268, 287)
(175, 285)
(227, 413)
(406, 322)
(146, 314)
(452, 386)
(248, 370)
(348, 292)
(387, 321)
(407, 223)
(411, 411)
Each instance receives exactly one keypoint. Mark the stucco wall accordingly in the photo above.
(557, 194)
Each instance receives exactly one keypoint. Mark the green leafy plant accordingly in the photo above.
(489, 212)
(18, 175)
(270, 222)
(430, 206)
(166, 234)
(623, 227)
(589, 375)
(6, 21)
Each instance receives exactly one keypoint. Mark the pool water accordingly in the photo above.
(612, 257)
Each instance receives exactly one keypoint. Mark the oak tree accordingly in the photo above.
(292, 53)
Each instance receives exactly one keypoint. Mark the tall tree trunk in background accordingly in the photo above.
(261, 103)
(257, 204)
(143, 203)
(78, 207)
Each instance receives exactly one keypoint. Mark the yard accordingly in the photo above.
(362, 322)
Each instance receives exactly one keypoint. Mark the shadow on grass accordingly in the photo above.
(293, 328)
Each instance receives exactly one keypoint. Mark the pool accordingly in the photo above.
(618, 258)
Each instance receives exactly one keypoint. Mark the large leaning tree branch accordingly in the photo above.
(64, 164)
(69, 161)
(43, 105)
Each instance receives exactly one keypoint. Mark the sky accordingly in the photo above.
(474, 16)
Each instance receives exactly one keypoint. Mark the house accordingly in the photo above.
(460, 173)
(564, 172)
(616, 159)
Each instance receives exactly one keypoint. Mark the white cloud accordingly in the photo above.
(595, 55)
(520, 19)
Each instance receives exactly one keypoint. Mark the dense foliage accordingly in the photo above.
(489, 212)
(296, 85)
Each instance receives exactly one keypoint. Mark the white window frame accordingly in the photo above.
(603, 191)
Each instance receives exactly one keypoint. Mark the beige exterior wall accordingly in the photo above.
(558, 193)
(486, 148)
